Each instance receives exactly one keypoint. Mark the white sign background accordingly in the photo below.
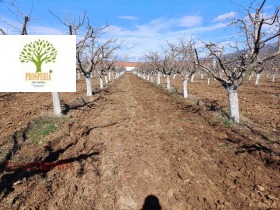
(12, 71)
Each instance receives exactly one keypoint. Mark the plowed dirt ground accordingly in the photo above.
(134, 145)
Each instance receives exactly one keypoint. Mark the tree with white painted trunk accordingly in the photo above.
(186, 70)
(96, 57)
(148, 69)
(158, 77)
(258, 69)
(232, 80)
(247, 52)
(87, 34)
(108, 58)
(89, 49)
(164, 63)
(119, 71)
(185, 65)
(104, 67)
(274, 67)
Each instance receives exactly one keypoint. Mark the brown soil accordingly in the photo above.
(134, 139)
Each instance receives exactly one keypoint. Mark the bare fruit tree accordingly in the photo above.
(185, 65)
(274, 67)
(107, 59)
(164, 63)
(246, 57)
(89, 51)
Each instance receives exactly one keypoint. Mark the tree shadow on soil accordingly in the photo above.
(267, 155)
(18, 135)
(151, 203)
(254, 131)
(81, 103)
(7, 180)
(254, 148)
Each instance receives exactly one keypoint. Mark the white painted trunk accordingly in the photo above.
(192, 78)
(174, 76)
(168, 82)
(90, 75)
(257, 79)
(208, 81)
(88, 83)
(109, 76)
(101, 82)
(201, 76)
(250, 76)
(56, 103)
(185, 88)
(164, 75)
(148, 77)
(158, 79)
(152, 79)
(233, 105)
(214, 63)
(273, 78)
(106, 79)
(79, 76)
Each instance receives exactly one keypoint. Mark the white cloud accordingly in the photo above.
(190, 21)
(151, 35)
(129, 46)
(128, 17)
(225, 16)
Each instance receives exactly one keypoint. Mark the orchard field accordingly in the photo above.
(134, 139)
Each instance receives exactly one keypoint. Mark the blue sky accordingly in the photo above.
(140, 24)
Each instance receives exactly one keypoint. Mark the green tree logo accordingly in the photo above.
(38, 52)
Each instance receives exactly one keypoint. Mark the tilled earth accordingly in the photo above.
(133, 145)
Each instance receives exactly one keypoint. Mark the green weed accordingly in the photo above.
(228, 122)
(41, 128)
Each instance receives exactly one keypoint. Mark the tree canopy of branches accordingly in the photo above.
(247, 54)
(90, 51)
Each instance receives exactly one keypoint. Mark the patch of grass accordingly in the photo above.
(41, 128)
(228, 122)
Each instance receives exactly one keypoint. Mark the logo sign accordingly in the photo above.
(38, 63)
